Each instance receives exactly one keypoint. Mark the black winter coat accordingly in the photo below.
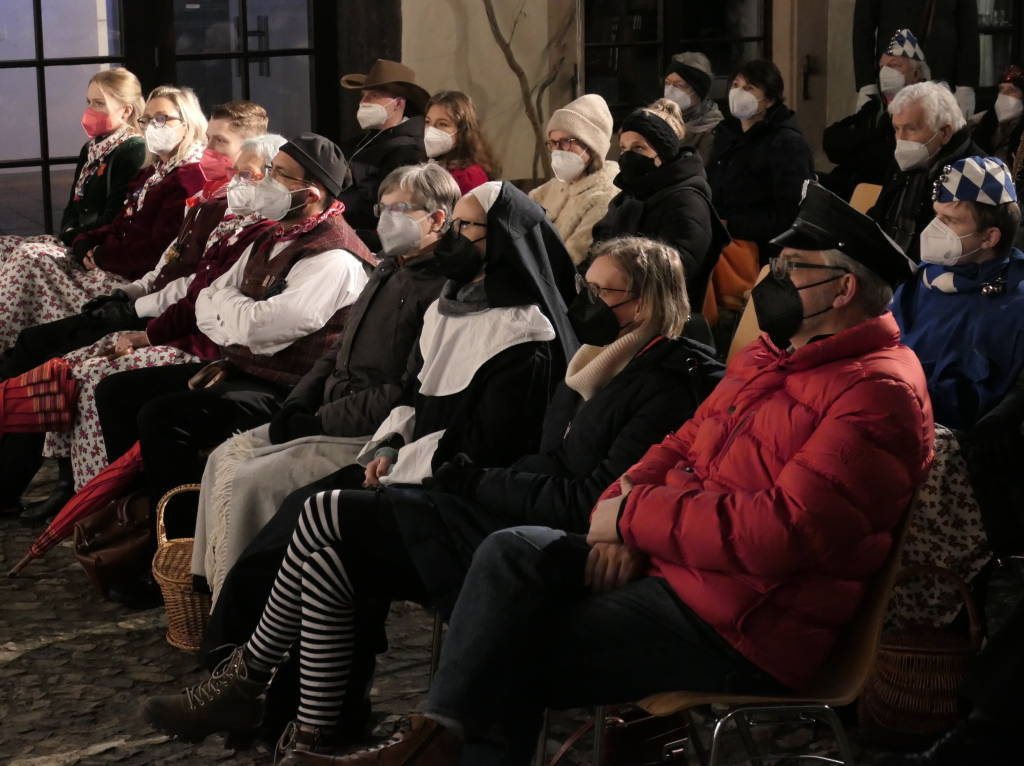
(671, 204)
(584, 449)
(985, 136)
(861, 146)
(372, 155)
(757, 178)
(358, 382)
(904, 205)
(105, 193)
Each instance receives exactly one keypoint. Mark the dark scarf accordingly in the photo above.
(459, 300)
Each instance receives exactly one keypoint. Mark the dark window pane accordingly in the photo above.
(62, 177)
(66, 87)
(81, 28)
(996, 53)
(21, 201)
(620, 21)
(19, 37)
(277, 24)
(215, 82)
(702, 20)
(280, 84)
(206, 26)
(625, 77)
(19, 114)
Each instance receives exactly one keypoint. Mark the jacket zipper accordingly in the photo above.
(735, 431)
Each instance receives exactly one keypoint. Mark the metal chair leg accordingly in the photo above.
(743, 728)
(842, 743)
(698, 745)
(598, 734)
(435, 645)
(542, 743)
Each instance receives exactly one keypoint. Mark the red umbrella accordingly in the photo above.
(106, 486)
(43, 399)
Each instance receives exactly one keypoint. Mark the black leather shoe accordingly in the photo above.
(37, 513)
(969, 743)
(140, 592)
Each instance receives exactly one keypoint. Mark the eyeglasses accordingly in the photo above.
(460, 226)
(780, 267)
(246, 175)
(563, 144)
(160, 120)
(395, 207)
(277, 175)
(594, 292)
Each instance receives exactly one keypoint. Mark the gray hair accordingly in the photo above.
(874, 293)
(429, 185)
(695, 59)
(266, 146)
(937, 101)
(922, 68)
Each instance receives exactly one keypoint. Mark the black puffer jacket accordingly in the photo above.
(372, 155)
(671, 204)
(904, 205)
(586, 446)
(357, 383)
(861, 146)
(757, 178)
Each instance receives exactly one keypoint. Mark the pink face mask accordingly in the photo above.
(96, 123)
(214, 165)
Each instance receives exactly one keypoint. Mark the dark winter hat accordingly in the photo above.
(659, 134)
(825, 222)
(698, 79)
(321, 158)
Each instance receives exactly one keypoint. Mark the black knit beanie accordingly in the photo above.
(659, 134)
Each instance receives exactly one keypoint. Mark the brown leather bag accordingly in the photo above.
(634, 737)
(114, 542)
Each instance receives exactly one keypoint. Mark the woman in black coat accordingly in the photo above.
(665, 194)
(760, 159)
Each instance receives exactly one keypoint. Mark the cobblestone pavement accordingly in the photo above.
(74, 668)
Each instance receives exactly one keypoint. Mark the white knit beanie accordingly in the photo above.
(588, 119)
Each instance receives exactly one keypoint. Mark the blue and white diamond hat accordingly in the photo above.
(976, 179)
(904, 44)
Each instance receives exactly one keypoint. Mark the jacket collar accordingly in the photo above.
(872, 335)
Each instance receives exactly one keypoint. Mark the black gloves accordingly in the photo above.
(293, 421)
(118, 295)
(459, 476)
(275, 289)
(80, 249)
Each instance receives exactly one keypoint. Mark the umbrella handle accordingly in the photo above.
(19, 566)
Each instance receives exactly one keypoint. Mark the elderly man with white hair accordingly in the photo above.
(931, 133)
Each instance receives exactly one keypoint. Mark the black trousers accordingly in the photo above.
(996, 687)
(177, 428)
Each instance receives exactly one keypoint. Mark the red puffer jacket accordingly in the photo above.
(771, 508)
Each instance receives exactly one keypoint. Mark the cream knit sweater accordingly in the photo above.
(575, 207)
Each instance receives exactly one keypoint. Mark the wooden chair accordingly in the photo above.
(747, 330)
(839, 681)
(864, 197)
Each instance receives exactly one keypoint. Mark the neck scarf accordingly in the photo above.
(99, 148)
(988, 278)
(593, 366)
(702, 117)
(280, 234)
(160, 171)
(231, 226)
(459, 300)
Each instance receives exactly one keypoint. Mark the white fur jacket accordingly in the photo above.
(575, 207)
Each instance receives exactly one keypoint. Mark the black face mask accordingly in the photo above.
(593, 320)
(458, 260)
(635, 166)
(779, 309)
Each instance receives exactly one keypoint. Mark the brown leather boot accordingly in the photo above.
(425, 742)
(298, 737)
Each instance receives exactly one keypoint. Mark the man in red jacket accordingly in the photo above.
(758, 524)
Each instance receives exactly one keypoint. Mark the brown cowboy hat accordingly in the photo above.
(391, 77)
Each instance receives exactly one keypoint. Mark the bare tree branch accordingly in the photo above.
(519, 15)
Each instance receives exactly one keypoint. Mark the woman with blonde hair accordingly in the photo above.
(42, 281)
(107, 163)
(456, 140)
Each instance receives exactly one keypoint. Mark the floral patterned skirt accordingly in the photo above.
(84, 443)
(39, 283)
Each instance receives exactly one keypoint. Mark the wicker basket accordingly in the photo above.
(188, 612)
(911, 695)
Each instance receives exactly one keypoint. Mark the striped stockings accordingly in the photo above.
(312, 595)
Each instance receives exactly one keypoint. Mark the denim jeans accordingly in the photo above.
(526, 635)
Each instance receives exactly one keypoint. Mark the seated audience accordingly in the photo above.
(348, 393)
(166, 334)
(862, 145)
(930, 134)
(964, 314)
(756, 527)
(688, 86)
(665, 194)
(579, 137)
(456, 140)
(41, 282)
(391, 111)
(1001, 128)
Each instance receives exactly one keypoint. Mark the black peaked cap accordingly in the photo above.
(321, 158)
(825, 222)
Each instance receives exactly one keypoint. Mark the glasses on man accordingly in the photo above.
(246, 176)
(595, 292)
(562, 144)
(781, 267)
(460, 226)
(160, 120)
(395, 207)
(277, 174)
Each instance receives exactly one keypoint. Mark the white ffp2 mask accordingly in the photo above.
(743, 104)
(373, 115)
(1008, 108)
(890, 81)
(160, 139)
(567, 166)
(941, 245)
(911, 155)
(680, 97)
(437, 142)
